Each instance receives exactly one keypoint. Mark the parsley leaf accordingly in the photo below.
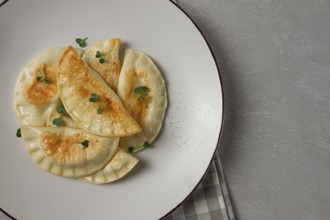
(18, 133)
(133, 149)
(99, 110)
(101, 56)
(81, 41)
(58, 121)
(102, 107)
(85, 143)
(142, 91)
(145, 145)
(98, 54)
(47, 81)
(43, 76)
(101, 60)
(60, 109)
(94, 97)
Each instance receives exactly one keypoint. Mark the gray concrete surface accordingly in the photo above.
(274, 58)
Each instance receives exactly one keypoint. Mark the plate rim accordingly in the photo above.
(222, 113)
(3, 2)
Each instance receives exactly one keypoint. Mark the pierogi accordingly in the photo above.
(107, 62)
(68, 152)
(90, 101)
(142, 89)
(82, 113)
(120, 165)
(36, 92)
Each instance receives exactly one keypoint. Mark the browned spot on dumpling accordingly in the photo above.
(138, 109)
(83, 92)
(40, 92)
(65, 148)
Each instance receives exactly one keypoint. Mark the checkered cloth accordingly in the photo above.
(209, 201)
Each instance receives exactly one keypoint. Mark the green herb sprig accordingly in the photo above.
(101, 107)
(59, 121)
(61, 109)
(95, 98)
(18, 133)
(84, 143)
(133, 149)
(43, 77)
(142, 91)
(82, 41)
(101, 56)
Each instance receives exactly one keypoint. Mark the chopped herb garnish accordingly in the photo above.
(145, 145)
(60, 109)
(58, 121)
(101, 56)
(85, 143)
(81, 41)
(47, 81)
(99, 110)
(43, 77)
(18, 133)
(101, 60)
(133, 149)
(94, 97)
(142, 91)
(101, 107)
(98, 54)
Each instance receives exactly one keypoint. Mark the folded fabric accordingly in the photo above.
(209, 201)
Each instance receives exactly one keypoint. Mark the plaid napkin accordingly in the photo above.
(209, 201)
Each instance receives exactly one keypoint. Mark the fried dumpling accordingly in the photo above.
(103, 57)
(36, 91)
(142, 90)
(121, 164)
(90, 101)
(68, 152)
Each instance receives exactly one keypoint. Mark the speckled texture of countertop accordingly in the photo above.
(274, 58)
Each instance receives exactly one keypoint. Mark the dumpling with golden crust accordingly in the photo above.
(103, 57)
(142, 89)
(120, 165)
(68, 152)
(90, 101)
(36, 91)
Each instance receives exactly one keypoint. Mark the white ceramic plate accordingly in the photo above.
(171, 169)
